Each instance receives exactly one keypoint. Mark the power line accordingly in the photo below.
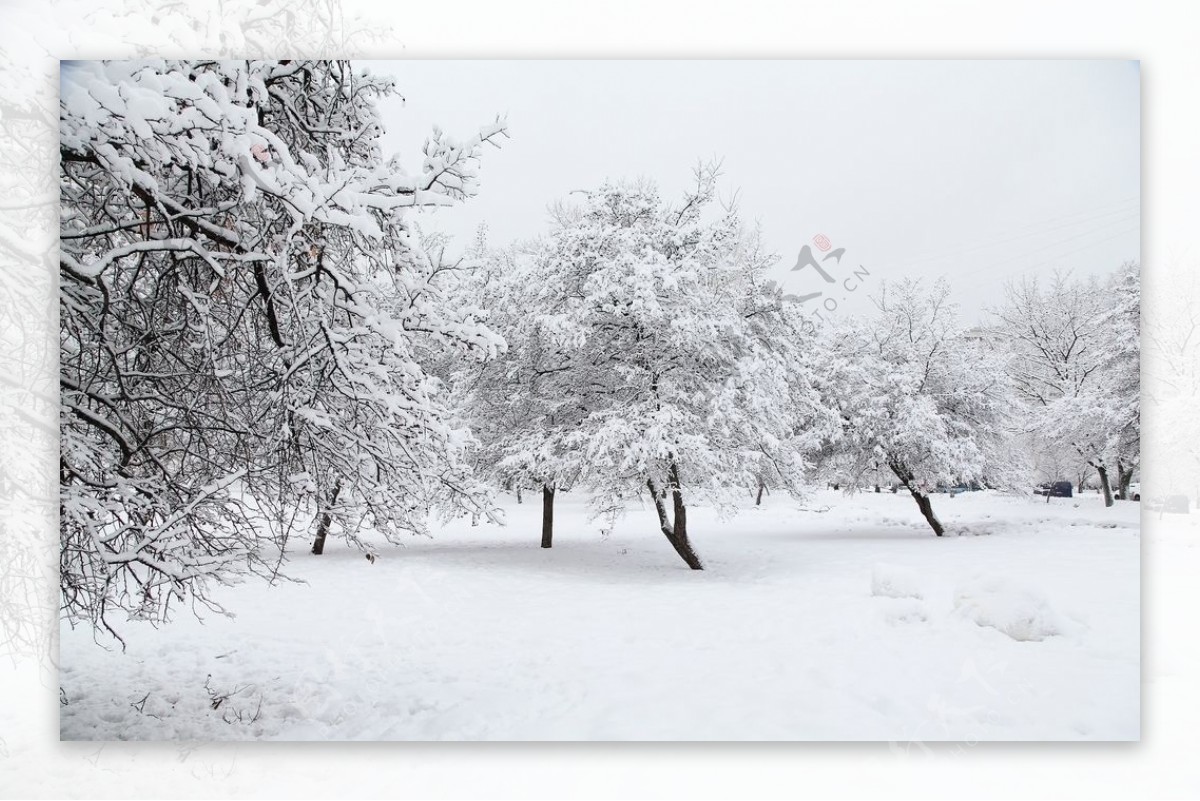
(1055, 257)
(1101, 229)
(1125, 215)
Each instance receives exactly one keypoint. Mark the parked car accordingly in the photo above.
(1133, 493)
(1056, 489)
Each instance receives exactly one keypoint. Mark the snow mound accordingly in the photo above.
(893, 581)
(1017, 611)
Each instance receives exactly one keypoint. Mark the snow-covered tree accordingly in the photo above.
(518, 408)
(651, 355)
(246, 323)
(918, 397)
(1124, 319)
(1054, 460)
(1075, 364)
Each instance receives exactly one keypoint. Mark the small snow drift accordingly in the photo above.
(999, 603)
(893, 581)
(905, 610)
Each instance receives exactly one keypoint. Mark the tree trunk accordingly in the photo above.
(923, 502)
(518, 495)
(547, 515)
(1104, 485)
(318, 546)
(680, 540)
(1124, 478)
(676, 533)
(926, 507)
(761, 487)
(659, 509)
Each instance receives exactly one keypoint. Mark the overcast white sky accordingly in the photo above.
(976, 170)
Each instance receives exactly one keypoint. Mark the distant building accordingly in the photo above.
(979, 334)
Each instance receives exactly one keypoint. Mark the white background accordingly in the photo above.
(1161, 35)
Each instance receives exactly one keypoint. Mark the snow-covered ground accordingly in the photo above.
(841, 619)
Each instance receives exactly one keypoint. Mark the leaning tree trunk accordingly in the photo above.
(761, 487)
(547, 515)
(676, 532)
(923, 501)
(1104, 485)
(926, 507)
(318, 546)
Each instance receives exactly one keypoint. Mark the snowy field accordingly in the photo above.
(843, 619)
